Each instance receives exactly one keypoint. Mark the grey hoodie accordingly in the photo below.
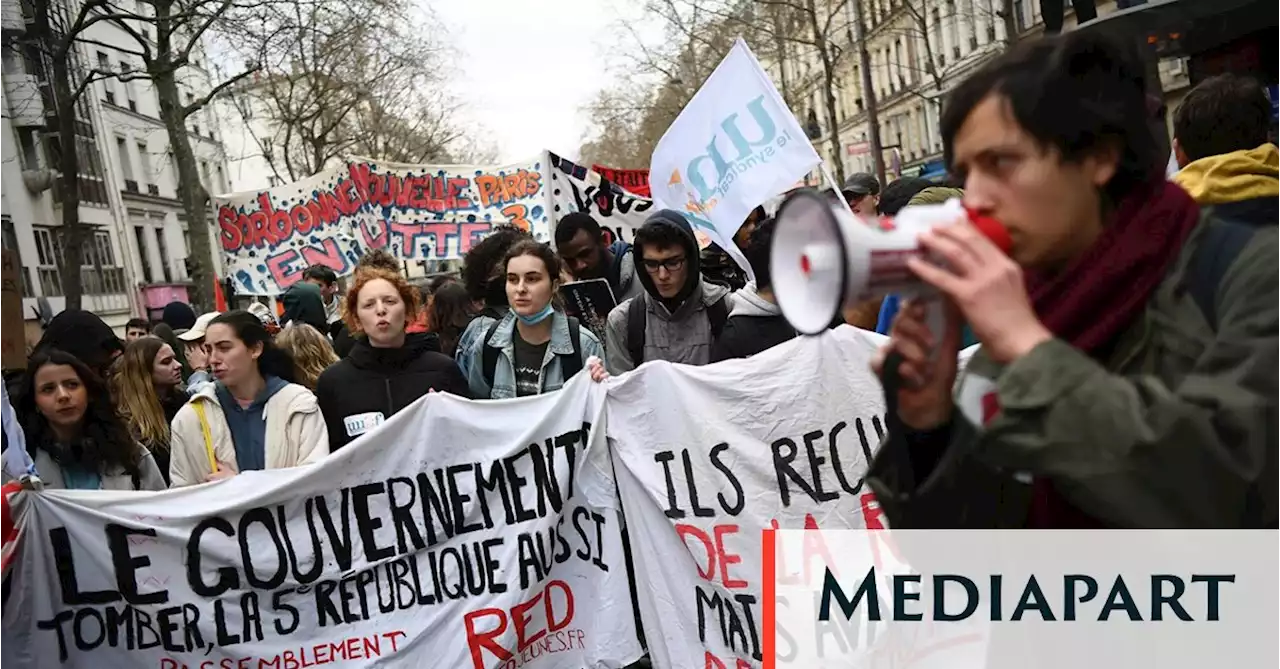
(683, 335)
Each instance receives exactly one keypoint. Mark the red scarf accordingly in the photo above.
(1103, 291)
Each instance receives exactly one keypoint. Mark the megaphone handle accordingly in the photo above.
(935, 314)
(896, 447)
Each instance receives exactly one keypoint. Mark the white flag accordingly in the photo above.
(734, 146)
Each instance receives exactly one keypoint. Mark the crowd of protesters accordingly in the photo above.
(1110, 367)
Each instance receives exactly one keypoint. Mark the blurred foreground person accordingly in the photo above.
(1127, 374)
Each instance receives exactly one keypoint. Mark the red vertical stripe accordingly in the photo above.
(769, 622)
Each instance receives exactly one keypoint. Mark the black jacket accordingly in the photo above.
(383, 381)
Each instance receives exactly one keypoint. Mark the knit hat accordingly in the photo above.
(179, 315)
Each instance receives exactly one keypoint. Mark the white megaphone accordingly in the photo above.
(824, 257)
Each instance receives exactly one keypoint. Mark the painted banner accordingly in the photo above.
(417, 212)
(734, 146)
(633, 181)
(782, 439)
(575, 188)
(455, 535)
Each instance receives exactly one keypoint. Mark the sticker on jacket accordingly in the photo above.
(360, 423)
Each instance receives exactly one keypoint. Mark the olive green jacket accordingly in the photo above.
(1177, 430)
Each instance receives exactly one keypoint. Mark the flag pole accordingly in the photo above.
(826, 174)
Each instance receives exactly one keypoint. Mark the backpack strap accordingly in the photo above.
(571, 364)
(489, 354)
(637, 315)
(1219, 247)
(718, 314)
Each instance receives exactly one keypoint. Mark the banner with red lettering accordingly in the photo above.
(457, 534)
(417, 212)
(782, 439)
(634, 181)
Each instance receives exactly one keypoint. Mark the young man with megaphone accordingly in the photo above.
(1127, 370)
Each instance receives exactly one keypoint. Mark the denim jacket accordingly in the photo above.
(470, 359)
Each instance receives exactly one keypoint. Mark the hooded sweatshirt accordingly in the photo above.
(247, 425)
(754, 325)
(304, 303)
(371, 384)
(677, 330)
(622, 273)
(1241, 186)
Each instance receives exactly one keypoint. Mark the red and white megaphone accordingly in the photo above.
(824, 257)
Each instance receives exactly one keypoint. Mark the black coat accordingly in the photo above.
(383, 381)
(745, 336)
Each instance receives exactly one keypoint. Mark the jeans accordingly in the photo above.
(1051, 11)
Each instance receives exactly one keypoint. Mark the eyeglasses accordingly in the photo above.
(672, 264)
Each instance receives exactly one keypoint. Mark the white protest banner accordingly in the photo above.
(576, 188)
(452, 536)
(708, 457)
(714, 165)
(417, 212)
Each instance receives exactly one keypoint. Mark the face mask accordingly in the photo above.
(536, 318)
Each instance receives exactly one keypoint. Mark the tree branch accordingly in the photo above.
(199, 104)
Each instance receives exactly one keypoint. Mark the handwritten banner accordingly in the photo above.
(575, 188)
(634, 181)
(417, 212)
(453, 536)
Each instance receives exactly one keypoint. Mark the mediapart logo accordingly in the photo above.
(713, 173)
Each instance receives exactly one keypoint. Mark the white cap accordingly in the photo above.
(202, 324)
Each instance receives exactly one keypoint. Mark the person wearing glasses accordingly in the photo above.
(679, 315)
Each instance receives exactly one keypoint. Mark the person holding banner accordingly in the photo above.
(1127, 370)
(387, 369)
(252, 417)
(74, 436)
(535, 348)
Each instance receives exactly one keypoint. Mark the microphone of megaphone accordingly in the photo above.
(823, 257)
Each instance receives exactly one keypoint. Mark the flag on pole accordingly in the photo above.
(733, 147)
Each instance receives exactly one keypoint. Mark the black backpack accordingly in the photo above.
(570, 364)
(637, 319)
(1209, 263)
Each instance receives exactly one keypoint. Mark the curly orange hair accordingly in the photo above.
(367, 273)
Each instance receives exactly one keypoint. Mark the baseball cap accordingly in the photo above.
(202, 324)
(860, 184)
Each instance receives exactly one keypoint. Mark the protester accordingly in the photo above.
(679, 315)
(136, 328)
(197, 355)
(898, 193)
(862, 192)
(387, 369)
(304, 303)
(178, 315)
(1131, 379)
(1220, 142)
(580, 242)
(166, 334)
(146, 389)
(74, 437)
(535, 348)
(449, 314)
(482, 274)
(254, 415)
(84, 335)
(310, 351)
(263, 312)
(419, 322)
(324, 278)
(756, 322)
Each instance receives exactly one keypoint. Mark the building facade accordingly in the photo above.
(136, 240)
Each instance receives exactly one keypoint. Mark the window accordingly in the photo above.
(104, 65)
(100, 274)
(223, 187)
(30, 156)
(128, 88)
(126, 164)
(145, 174)
(163, 247)
(48, 255)
(140, 235)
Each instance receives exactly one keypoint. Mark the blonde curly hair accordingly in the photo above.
(311, 351)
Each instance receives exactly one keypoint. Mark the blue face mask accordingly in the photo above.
(536, 318)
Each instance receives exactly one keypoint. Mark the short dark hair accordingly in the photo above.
(1222, 114)
(487, 254)
(538, 250)
(757, 252)
(898, 193)
(1075, 92)
(321, 273)
(659, 235)
(139, 323)
(572, 223)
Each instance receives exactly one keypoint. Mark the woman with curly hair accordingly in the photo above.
(310, 350)
(146, 388)
(74, 436)
(387, 369)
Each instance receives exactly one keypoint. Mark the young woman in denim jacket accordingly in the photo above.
(533, 336)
